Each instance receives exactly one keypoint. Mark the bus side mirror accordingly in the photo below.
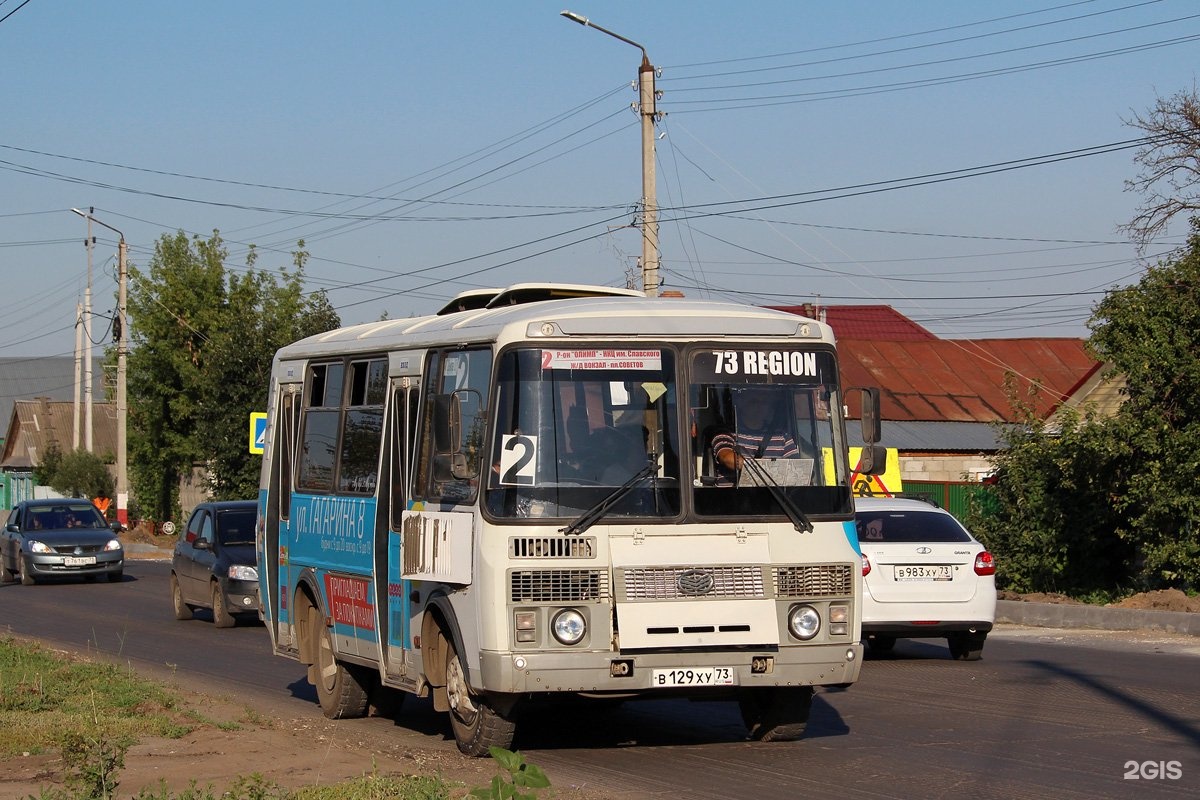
(872, 460)
(872, 428)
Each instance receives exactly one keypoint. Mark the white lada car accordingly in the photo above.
(924, 576)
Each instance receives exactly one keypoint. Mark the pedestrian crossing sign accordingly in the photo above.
(258, 431)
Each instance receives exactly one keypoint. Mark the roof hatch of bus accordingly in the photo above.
(521, 293)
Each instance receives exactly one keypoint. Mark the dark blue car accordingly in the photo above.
(214, 563)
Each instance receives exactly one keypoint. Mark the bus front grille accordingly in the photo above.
(814, 580)
(552, 547)
(557, 585)
(671, 583)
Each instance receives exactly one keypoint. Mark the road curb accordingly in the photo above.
(1078, 615)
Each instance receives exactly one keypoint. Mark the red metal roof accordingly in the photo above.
(863, 322)
(964, 380)
(926, 379)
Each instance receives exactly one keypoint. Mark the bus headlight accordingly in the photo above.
(568, 626)
(804, 622)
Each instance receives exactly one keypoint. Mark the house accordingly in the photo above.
(38, 425)
(943, 400)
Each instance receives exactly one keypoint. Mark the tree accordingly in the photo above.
(1170, 179)
(1150, 334)
(80, 473)
(263, 314)
(201, 348)
(174, 307)
(1105, 504)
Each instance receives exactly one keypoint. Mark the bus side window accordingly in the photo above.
(452, 424)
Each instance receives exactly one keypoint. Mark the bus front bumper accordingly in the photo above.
(670, 672)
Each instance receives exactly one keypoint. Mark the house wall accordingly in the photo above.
(944, 467)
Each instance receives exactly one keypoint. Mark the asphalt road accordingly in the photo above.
(1047, 713)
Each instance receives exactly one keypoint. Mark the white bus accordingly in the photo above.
(526, 499)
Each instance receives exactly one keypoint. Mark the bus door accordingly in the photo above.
(392, 599)
(276, 513)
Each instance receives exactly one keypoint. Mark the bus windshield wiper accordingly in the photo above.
(799, 519)
(589, 518)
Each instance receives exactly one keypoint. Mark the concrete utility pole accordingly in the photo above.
(122, 333)
(648, 97)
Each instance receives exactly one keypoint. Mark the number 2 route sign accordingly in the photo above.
(258, 431)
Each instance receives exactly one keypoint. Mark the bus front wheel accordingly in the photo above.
(776, 713)
(476, 725)
(341, 688)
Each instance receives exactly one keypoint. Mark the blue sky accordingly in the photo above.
(424, 149)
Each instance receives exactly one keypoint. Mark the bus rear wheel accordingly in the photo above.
(477, 726)
(342, 690)
(776, 713)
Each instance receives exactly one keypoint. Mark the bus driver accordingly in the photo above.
(758, 434)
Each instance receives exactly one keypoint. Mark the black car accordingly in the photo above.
(59, 538)
(214, 564)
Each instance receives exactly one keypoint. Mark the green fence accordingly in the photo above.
(954, 497)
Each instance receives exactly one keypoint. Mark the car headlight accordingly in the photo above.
(568, 626)
(37, 547)
(112, 544)
(241, 572)
(804, 622)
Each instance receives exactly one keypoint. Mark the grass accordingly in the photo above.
(91, 713)
(46, 695)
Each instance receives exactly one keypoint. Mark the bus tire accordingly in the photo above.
(477, 726)
(182, 610)
(776, 713)
(341, 688)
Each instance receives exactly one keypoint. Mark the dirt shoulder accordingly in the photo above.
(238, 741)
(1161, 600)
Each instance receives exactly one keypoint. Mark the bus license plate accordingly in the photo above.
(79, 561)
(694, 676)
(923, 572)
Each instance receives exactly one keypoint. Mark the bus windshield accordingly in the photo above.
(761, 422)
(572, 425)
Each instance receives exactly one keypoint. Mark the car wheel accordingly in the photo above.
(6, 574)
(221, 616)
(777, 713)
(116, 577)
(341, 688)
(182, 609)
(966, 646)
(477, 726)
(27, 578)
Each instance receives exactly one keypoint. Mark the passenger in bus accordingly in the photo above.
(760, 432)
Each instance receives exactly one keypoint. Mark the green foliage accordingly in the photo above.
(48, 465)
(520, 776)
(92, 763)
(1109, 503)
(202, 340)
(79, 474)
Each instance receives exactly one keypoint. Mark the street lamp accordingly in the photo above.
(647, 98)
(122, 353)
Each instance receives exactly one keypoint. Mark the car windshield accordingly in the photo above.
(909, 526)
(64, 517)
(236, 526)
